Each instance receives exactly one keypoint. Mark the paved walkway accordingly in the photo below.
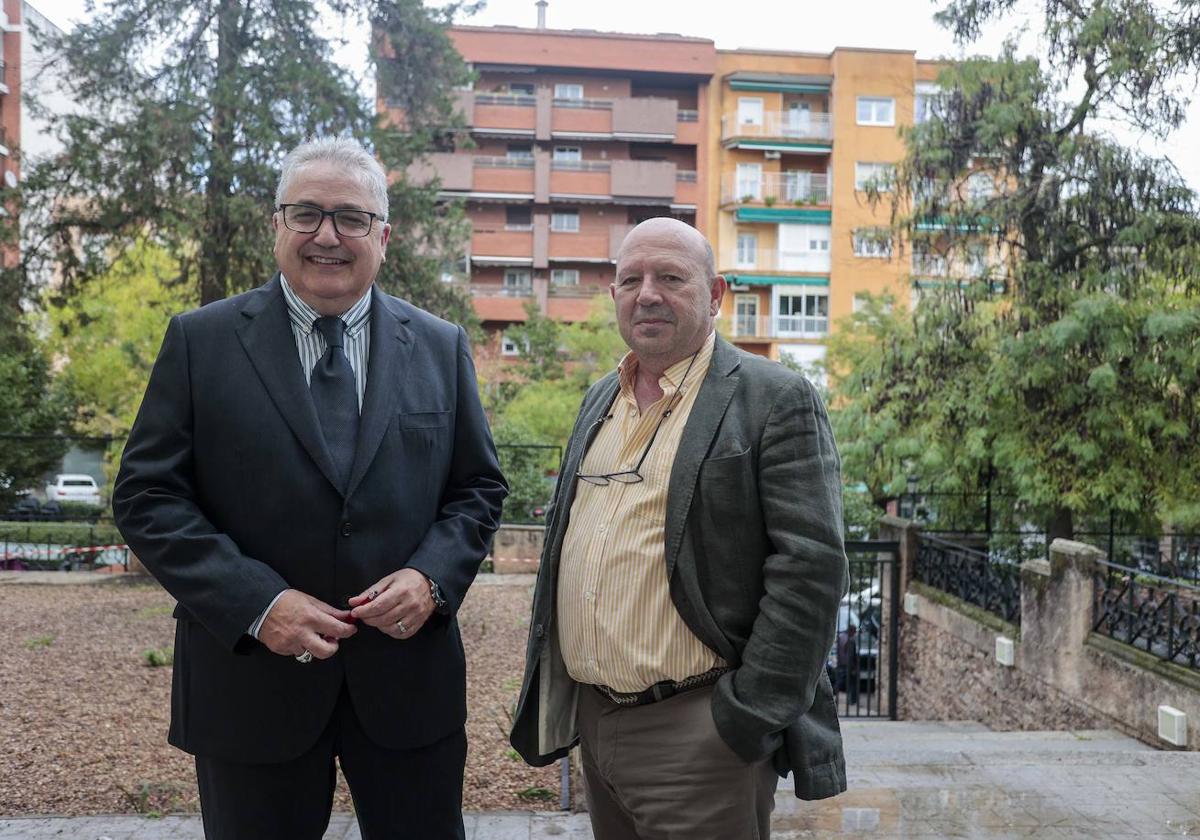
(910, 780)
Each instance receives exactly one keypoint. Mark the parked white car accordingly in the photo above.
(73, 487)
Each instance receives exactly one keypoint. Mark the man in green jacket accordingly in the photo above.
(692, 570)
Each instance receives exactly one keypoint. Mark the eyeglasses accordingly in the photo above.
(634, 475)
(304, 218)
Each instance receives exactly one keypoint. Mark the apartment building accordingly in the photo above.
(10, 98)
(795, 137)
(578, 136)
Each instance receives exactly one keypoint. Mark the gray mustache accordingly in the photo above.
(656, 313)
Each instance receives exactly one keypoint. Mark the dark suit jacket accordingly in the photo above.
(228, 494)
(755, 561)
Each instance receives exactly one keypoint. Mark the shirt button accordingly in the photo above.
(591, 596)
(345, 529)
(602, 529)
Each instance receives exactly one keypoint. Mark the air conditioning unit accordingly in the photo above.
(771, 155)
(1005, 651)
(1172, 726)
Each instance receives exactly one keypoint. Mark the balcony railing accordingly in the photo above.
(805, 262)
(581, 165)
(795, 188)
(685, 176)
(780, 125)
(688, 115)
(598, 104)
(769, 327)
(523, 100)
(497, 162)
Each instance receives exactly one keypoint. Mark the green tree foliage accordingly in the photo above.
(1063, 367)
(32, 414)
(538, 401)
(108, 340)
(185, 111)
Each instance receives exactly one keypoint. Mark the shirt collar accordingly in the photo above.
(304, 316)
(670, 379)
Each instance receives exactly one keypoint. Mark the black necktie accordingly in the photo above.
(336, 396)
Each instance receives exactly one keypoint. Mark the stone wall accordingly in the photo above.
(517, 548)
(1064, 676)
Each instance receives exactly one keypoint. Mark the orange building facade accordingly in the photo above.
(794, 138)
(10, 99)
(579, 135)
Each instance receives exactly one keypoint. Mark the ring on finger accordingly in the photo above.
(400, 626)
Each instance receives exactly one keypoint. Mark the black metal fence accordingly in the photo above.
(1158, 615)
(61, 546)
(864, 660)
(972, 575)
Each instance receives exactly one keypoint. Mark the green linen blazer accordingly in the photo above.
(756, 564)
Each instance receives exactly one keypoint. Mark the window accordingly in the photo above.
(803, 247)
(872, 243)
(565, 221)
(571, 153)
(980, 187)
(750, 110)
(523, 88)
(745, 314)
(564, 276)
(805, 314)
(509, 346)
(747, 250)
(518, 282)
(518, 217)
(878, 174)
(519, 151)
(749, 181)
(927, 100)
(568, 91)
(874, 110)
(926, 262)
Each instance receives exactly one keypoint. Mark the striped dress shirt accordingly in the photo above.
(618, 626)
(310, 344)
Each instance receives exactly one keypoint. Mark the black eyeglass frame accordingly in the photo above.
(634, 476)
(332, 214)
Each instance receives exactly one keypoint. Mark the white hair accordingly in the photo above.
(344, 152)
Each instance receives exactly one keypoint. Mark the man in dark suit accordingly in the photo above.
(311, 476)
(691, 574)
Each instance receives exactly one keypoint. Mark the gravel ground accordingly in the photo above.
(83, 718)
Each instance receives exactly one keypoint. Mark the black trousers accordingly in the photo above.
(398, 794)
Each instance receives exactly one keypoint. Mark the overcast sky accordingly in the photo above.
(774, 24)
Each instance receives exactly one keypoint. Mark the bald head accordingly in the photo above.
(686, 238)
(667, 292)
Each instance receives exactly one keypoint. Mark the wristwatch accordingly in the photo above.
(435, 591)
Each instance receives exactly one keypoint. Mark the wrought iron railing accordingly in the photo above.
(971, 575)
(1152, 613)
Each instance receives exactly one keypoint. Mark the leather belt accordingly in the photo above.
(661, 690)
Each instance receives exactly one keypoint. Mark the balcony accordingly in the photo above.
(498, 246)
(622, 181)
(776, 262)
(798, 189)
(792, 131)
(755, 328)
(543, 116)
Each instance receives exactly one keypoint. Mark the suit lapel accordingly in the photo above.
(391, 348)
(266, 336)
(707, 411)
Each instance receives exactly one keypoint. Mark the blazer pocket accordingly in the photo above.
(725, 467)
(411, 420)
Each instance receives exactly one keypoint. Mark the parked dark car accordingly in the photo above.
(25, 509)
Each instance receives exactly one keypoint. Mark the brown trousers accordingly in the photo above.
(662, 772)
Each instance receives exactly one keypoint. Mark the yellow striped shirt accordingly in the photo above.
(617, 624)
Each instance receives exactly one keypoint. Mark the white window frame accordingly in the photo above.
(564, 276)
(564, 221)
(568, 90)
(867, 170)
(875, 110)
(568, 153)
(810, 322)
(509, 346)
(980, 186)
(747, 250)
(803, 247)
(871, 247)
(518, 154)
(925, 97)
(749, 181)
(740, 317)
(750, 110)
(517, 282)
